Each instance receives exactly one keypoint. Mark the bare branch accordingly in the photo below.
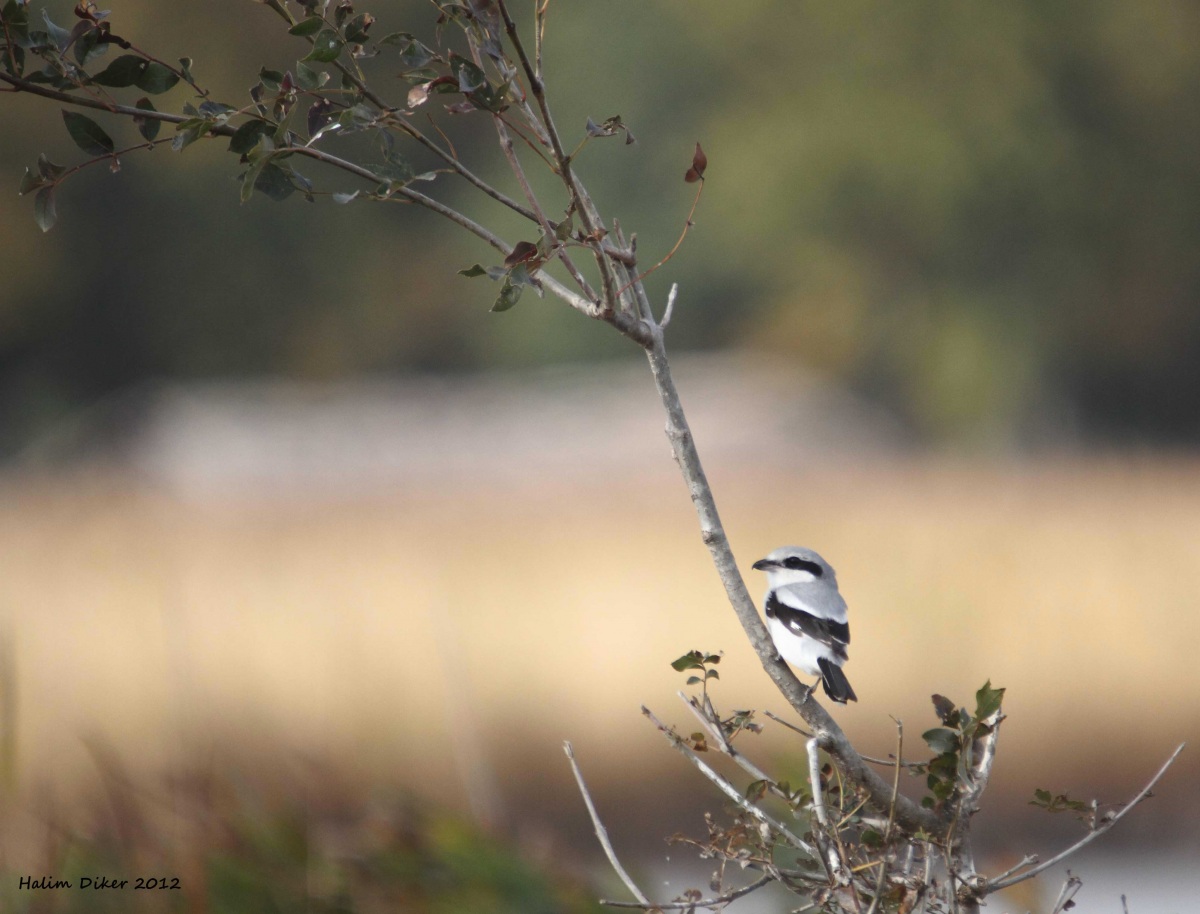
(1028, 860)
(983, 754)
(887, 832)
(666, 319)
(514, 165)
(1070, 887)
(687, 226)
(832, 858)
(995, 885)
(728, 789)
(588, 214)
(692, 905)
(57, 95)
(909, 815)
(602, 832)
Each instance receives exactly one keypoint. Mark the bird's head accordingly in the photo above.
(795, 565)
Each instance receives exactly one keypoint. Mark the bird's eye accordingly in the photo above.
(798, 564)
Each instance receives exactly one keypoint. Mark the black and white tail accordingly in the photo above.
(837, 686)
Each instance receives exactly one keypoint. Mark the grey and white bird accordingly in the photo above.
(806, 616)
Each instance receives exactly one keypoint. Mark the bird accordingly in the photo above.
(806, 617)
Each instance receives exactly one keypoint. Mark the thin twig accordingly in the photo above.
(779, 720)
(887, 832)
(1002, 883)
(718, 734)
(1069, 889)
(514, 164)
(1028, 860)
(540, 8)
(692, 905)
(126, 110)
(726, 788)
(602, 832)
(670, 310)
(994, 885)
(624, 256)
(687, 226)
(832, 858)
(588, 214)
(450, 158)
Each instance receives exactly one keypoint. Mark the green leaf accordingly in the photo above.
(185, 67)
(326, 47)
(44, 211)
(470, 77)
(309, 79)
(246, 137)
(692, 680)
(478, 270)
(356, 29)
(274, 181)
(510, 293)
(395, 174)
(157, 79)
(1042, 796)
(941, 740)
(415, 55)
(88, 47)
(712, 674)
(48, 169)
(31, 181)
(60, 35)
(519, 276)
(216, 110)
(14, 59)
(562, 230)
(945, 709)
(756, 790)
(271, 79)
(309, 26)
(16, 17)
(148, 127)
(250, 176)
(189, 131)
(122, 72)
(689, 661)
(87, 134)
(871, 838)
(988, 700)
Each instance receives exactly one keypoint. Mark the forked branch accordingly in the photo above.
(1005, 880)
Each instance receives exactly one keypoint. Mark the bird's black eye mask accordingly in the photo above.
(798, 564)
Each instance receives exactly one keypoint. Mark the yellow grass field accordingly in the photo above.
(449, 640)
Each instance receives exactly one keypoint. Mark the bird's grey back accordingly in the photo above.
(819, 597)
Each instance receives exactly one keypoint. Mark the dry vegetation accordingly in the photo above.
(438, 638)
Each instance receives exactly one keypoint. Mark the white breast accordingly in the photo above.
(799, 650)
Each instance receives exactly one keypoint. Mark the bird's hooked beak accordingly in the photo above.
(764, 565)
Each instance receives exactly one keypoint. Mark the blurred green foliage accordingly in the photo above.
(985, 215)
(237, 846)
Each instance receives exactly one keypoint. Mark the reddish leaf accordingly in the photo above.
(699, 164)
(524, 252)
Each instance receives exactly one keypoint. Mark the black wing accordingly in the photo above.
(834, 634)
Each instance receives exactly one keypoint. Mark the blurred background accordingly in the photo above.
(305, 556)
